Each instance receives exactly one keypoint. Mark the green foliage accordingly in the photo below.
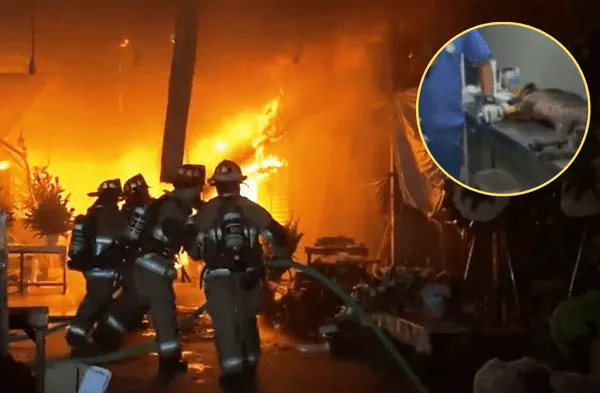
(46, 210)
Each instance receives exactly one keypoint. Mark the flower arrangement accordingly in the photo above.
(47, 210)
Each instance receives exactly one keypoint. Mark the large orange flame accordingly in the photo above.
(250, 134)
(242, 137)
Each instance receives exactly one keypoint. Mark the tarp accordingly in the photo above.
(420, 181)
(18, 92)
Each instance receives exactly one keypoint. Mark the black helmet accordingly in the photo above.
(113, 185)
(227, 172)
(134, 183)
(190, 175)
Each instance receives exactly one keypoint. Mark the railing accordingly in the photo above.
(25, 250)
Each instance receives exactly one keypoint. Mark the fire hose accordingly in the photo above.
(22, 337)
(148, 346)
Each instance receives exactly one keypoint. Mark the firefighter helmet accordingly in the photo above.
(190, 175)
(227, 172)
(136, 182)
(113, 185)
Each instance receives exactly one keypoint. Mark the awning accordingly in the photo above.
(420, 181)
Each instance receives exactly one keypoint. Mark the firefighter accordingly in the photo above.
(94, 251)
(127, 312)
(156, 233)
(136, 193)
(227, 230)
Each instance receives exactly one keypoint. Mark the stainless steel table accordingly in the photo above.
(505, 145)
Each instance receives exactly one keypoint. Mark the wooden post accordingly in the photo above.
(4, 325)
(180, 89)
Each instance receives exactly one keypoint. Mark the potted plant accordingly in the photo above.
(274, 308)
(293, 239)
(47, 210)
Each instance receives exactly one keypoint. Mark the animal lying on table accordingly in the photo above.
(566, 112)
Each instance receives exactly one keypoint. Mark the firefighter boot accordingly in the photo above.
(80, 344)
(172, 365)
(107, 339)
(234, 380)
(251, 366)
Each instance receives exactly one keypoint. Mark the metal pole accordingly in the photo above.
(513, 279)
(386, 234)
(469, 257)
(390, 101)
(442, 245)
(4, 325)
(577, 261)
(180, 89)
(392, 199)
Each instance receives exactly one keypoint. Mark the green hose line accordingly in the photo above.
(148, 346)
(22, 337)
(132, 351)
(346, 298)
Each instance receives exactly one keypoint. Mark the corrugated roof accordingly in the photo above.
(17, 94)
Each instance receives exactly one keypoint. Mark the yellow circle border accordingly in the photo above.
(587, 94)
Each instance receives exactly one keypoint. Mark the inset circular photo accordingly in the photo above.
(503, 109)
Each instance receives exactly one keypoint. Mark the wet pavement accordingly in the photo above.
(283, 368)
